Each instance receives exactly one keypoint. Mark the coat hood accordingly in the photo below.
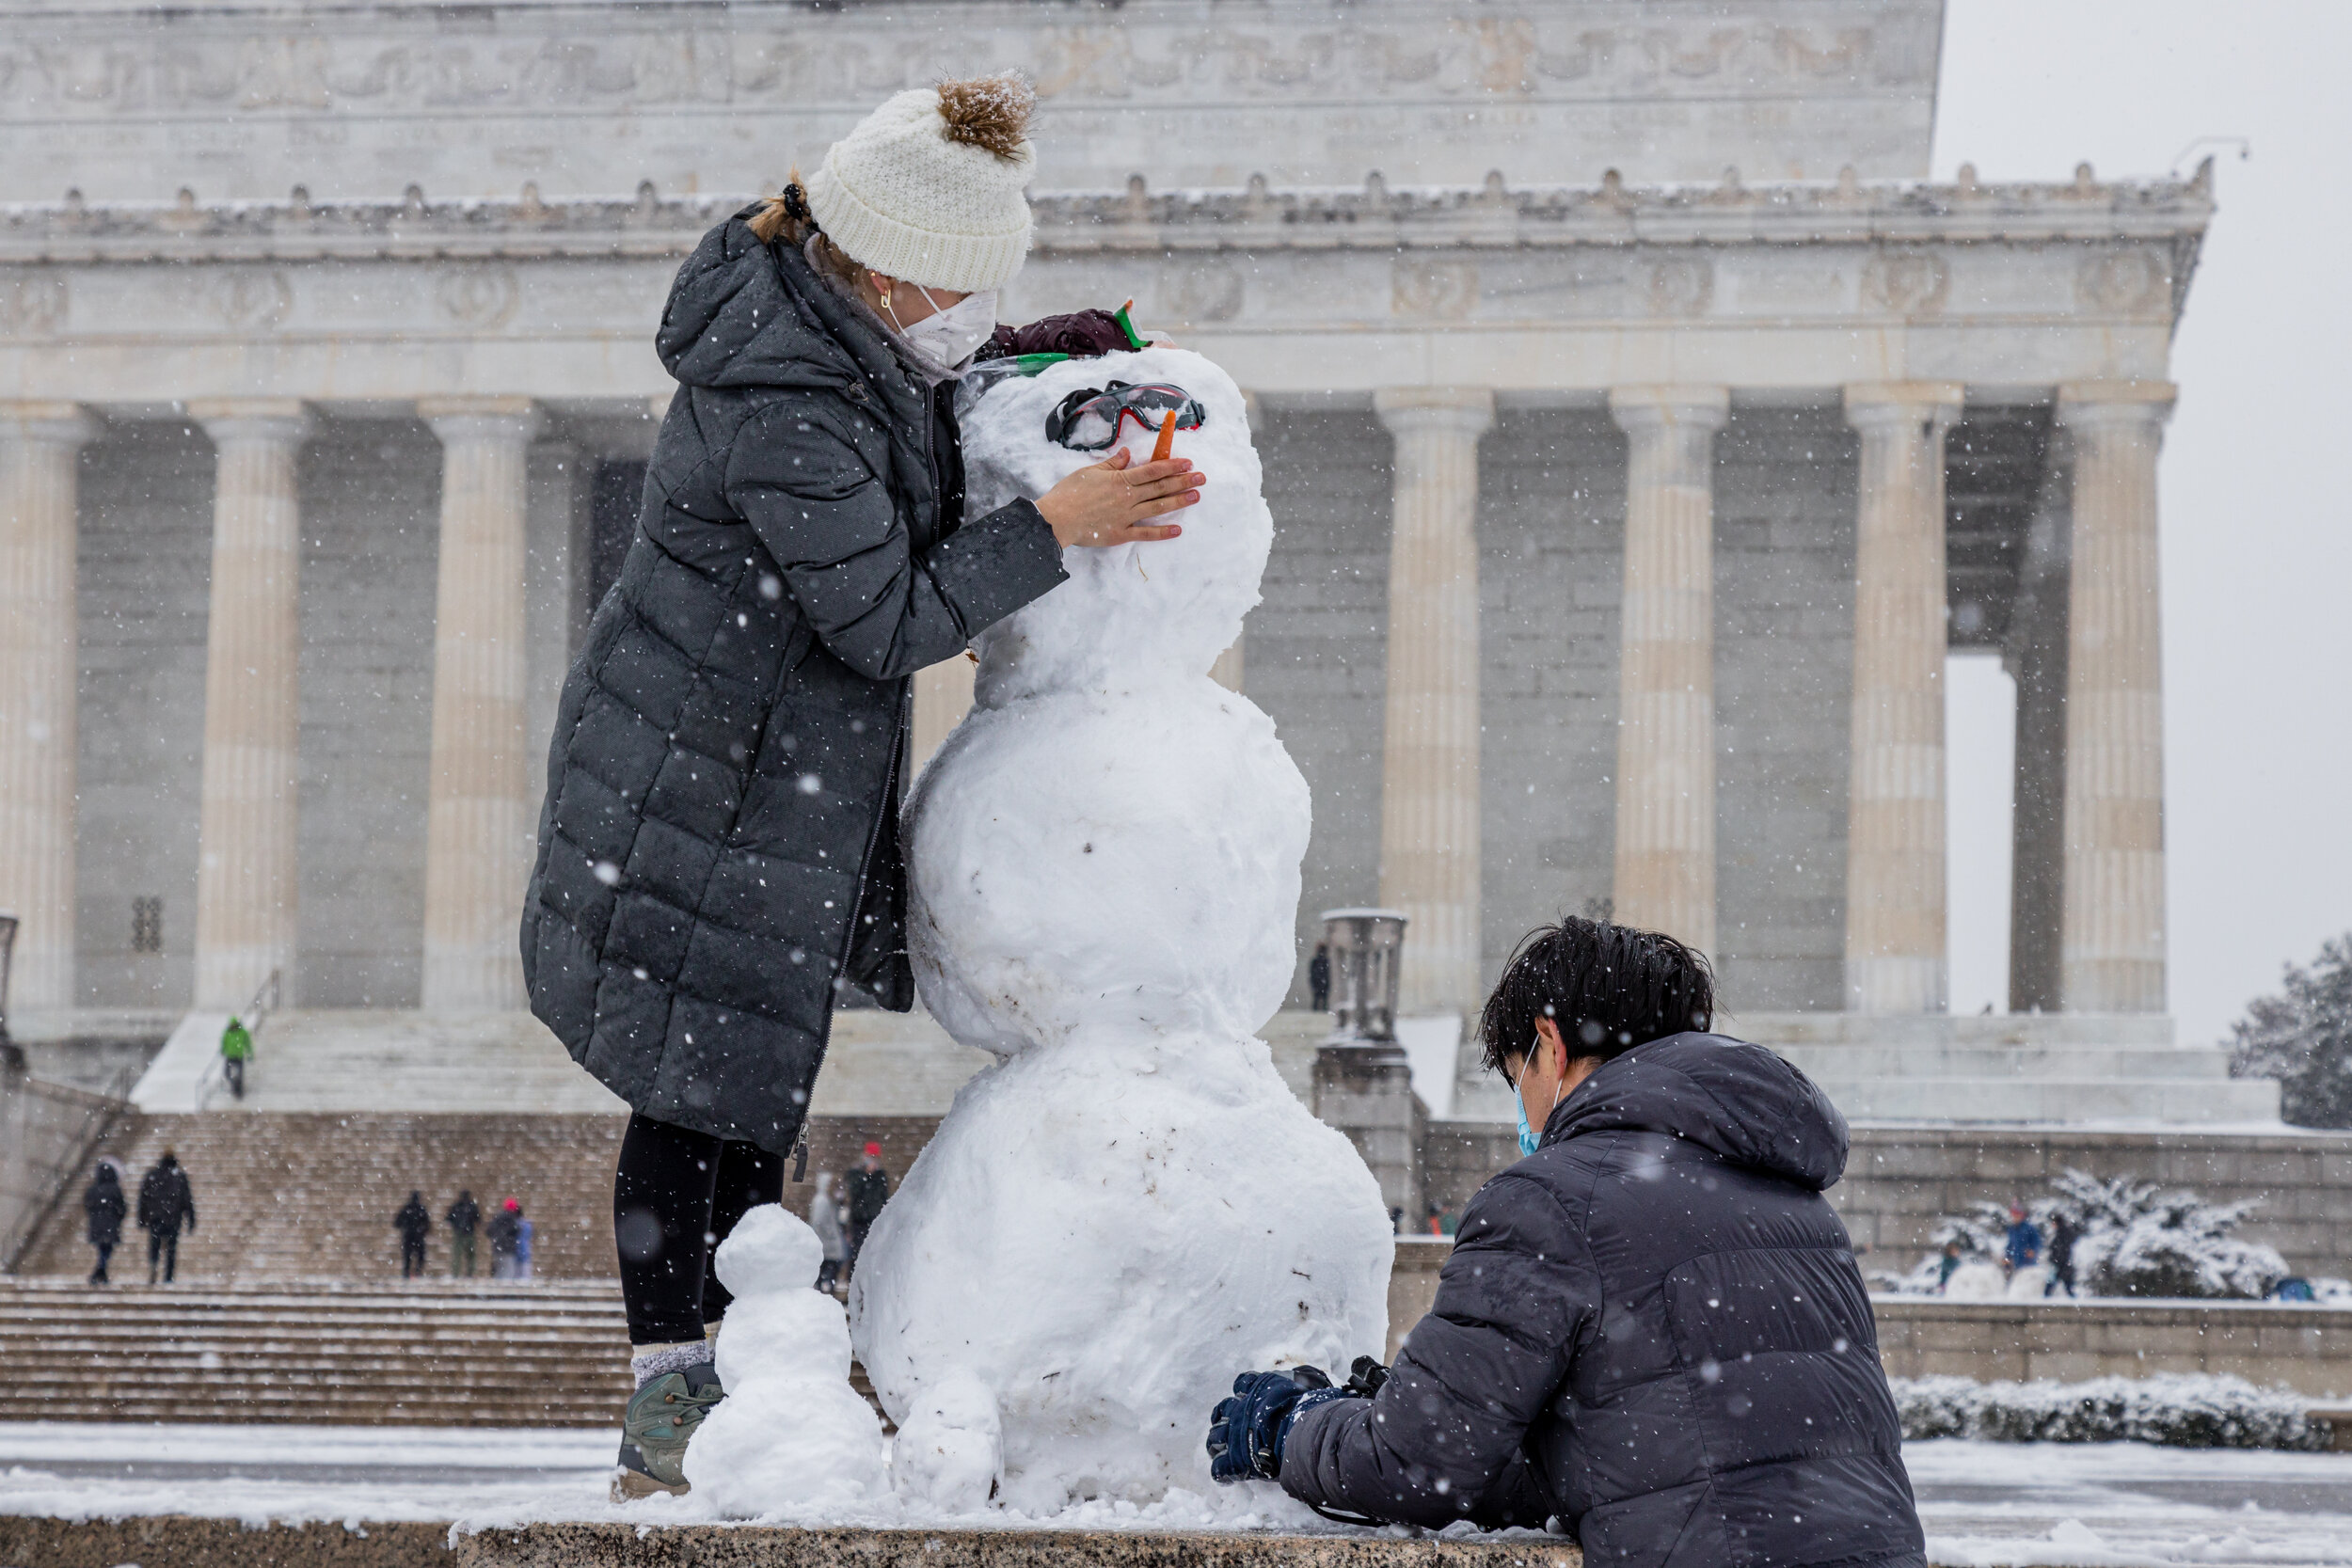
(1736, 1100)
(744, 313)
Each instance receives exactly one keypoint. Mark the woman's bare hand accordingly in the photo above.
(1113, 501)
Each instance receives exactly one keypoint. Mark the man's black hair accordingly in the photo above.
(1609, 988)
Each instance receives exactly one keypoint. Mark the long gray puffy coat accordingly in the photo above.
(1652, 1327)
(718, 853)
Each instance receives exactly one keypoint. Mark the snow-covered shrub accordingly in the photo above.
(2131, 1239)
(2137, 1240)
(2303, 1037)
(2179, 1410)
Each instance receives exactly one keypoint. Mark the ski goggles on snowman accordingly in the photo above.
(1089, 419)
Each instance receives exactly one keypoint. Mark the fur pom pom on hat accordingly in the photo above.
(928, 187)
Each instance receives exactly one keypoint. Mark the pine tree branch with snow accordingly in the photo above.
(2303, 1037)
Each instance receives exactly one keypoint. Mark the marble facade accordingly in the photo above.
(1627, 501)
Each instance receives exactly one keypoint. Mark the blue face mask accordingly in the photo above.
(1527, 1134)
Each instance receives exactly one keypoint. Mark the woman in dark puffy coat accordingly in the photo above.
(104, 1202)
(1652, 1328)
(718, 855)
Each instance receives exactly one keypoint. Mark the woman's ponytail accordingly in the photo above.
(786, 214)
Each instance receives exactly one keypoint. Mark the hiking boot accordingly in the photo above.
(655, 1428)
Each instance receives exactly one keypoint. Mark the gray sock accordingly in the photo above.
(652, 1361)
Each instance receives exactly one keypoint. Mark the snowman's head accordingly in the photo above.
(1132, 615)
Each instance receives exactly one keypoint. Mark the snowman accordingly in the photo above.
(1129, 1206)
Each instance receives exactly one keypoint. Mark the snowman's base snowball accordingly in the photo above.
(1100, 1236)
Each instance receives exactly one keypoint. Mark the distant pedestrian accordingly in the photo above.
(104, 1202)
(824, 1217)
(415, 1223)
(522, 1245)
(869, 1189)
(1319, 978)
(236, 1049)
(2064, 1233)
(1947, 1265)
(166, 1206)
(506, 1234)
(465, 1218)
(2023, 1248)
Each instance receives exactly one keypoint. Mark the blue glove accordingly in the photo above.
(1246, 1432)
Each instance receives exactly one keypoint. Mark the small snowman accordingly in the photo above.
(792, 1436)
(1129, 1206)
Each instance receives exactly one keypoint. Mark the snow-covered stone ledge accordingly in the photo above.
(2307, 1349)
(605, 1546)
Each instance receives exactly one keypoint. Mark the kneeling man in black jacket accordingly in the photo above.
(1651, 1329)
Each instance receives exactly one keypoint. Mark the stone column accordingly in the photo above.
(2111, 938)
(247, 885)
(479, 819)
(1665, 863)
(1429, 845)
(1896, 957)
(38, 626)
(942, 695)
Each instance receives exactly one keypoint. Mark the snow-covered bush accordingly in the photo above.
(2303, 1037)
(2131, 1239)
(2179, 1410)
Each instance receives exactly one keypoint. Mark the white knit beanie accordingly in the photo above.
(927, 187)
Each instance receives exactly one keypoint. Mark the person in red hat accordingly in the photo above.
(507, 1239)
(869, 1189)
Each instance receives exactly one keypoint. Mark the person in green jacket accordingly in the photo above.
(236, 1049)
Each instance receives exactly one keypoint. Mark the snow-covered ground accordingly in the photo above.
(2092, 1505)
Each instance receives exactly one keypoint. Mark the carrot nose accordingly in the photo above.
(1167, 437)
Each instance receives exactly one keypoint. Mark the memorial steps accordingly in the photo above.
(552, 1354)
(288, 1195)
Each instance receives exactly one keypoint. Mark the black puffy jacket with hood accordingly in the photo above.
(718, 853)
(1652, 1328)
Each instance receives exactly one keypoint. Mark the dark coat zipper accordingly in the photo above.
(857, 903)
(873, 834)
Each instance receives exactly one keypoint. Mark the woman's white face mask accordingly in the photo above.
(949, 337)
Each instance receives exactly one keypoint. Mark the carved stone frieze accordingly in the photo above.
(1207, 289)
(247, 298)
(1681, 286)
(479, 296)
(544, 57)
(1906, 282)
(2128, 282)
(32, 301)
(1427, 289)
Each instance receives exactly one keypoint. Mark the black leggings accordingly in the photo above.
(676, 1196)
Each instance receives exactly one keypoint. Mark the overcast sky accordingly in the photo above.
(2257, 533)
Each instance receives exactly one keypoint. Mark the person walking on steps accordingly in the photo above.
(506, 1238)
(1319, 978)
(824, 1217)
(166, 1206)
(414, 1223)
(718, 858)
(464, 1218)
(869, 1189)
(104, 1202)
(236, 1049)
(522, 1244)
